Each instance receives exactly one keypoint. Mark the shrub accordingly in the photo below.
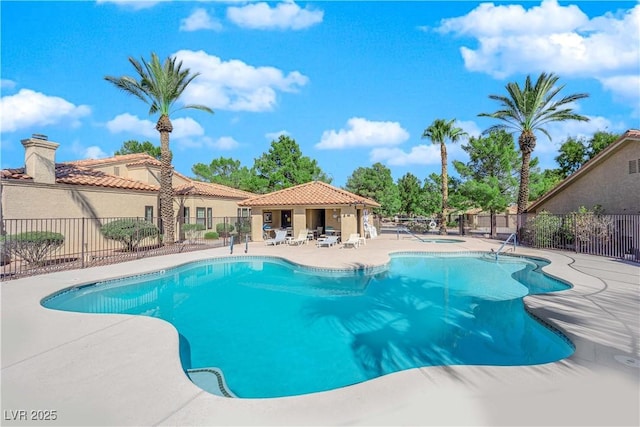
(191, 231)
(129, 231)
(418, 226)
(243, 226)
(32, 246)
(211, 235)
(224, 229)
(543, 230)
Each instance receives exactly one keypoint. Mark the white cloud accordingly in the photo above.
(286, 15)
(186, 127)
(234, 85)
(363, 133)
(271, 136)
(423, 154)
(29, 108)
(7, 84)
(128, 123)
(625, 88)
(200, 20)
(552, 38)
(470, 127)
(225, 143)
(132, 4)
(92, 152)
(418, 155)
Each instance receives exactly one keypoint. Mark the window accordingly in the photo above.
(186, 213)
(148, 213)
(200, 219)
(116, 170)
(244, 212)
(209, 218)
(633, 166)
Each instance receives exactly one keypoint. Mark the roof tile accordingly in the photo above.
(309, 194)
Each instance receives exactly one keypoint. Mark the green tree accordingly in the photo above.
(411, 200)
(284, 166)
(540, 182)
(432, 194)
(133, 146)
(160, 86)
(376, 183)
(599, 141)
(574, 152)
(571, 155)
(530, 109)
(439, 132)
(490, 173)
(225, 171)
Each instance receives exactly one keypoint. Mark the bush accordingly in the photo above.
(32, 246)
(543, 230)
(211, 235)
(129, 231)
(191, 231)
(224, 229)
(418, 226)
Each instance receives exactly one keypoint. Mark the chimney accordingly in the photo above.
(40, 158)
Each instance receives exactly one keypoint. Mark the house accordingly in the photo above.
(119, 186)
(309, 206)
(611, 180)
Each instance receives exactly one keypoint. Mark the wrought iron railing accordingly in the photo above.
(35, 246)
(616, 236)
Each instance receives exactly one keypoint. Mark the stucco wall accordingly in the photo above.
(608, 184)
(30, 200)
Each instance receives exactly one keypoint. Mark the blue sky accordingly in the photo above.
(352, 82)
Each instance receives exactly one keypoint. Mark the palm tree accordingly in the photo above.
(527, 110)
(439, 131)
(160, 86)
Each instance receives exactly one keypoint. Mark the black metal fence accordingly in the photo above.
(35, 246)
(616, 236)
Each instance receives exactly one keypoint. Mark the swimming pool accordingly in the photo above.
(273, 328)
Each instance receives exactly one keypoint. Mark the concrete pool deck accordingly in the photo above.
(125, 370)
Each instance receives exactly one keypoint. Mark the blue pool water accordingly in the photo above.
(277, 329)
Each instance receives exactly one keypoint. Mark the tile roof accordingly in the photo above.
(69, 173)
(212, 190)
(79, 172)
(312, 193)
(128, 159)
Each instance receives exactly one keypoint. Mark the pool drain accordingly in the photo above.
(627, 360)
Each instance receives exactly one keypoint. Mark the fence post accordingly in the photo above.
(82, 245)
(246, 243)
(231, 244)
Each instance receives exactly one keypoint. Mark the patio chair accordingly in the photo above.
(327, 241)
(353, 241)
(303, 236)
(281, 237)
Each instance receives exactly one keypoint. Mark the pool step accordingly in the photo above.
(210, 380)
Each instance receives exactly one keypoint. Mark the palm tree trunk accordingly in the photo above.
(445, 189)
(164, 126)
(523, 192)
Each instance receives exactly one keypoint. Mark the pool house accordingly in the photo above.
(316, 206)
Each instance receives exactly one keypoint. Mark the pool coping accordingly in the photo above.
(125, 370)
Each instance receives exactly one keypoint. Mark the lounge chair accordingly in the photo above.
(303, 236)
(327, 241)
(281, 237)
(353, 241)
